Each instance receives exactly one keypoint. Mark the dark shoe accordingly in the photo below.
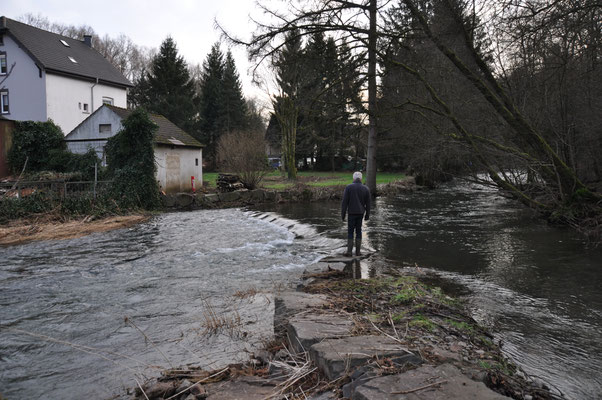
(358, 246)
(349, 248)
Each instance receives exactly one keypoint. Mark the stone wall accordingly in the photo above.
(297, 194)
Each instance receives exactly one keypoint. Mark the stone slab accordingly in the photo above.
(321, 267)
(243, 388)
(456, 386)
(341, 258)
(336, 357)
(304, 330)
(287, 304)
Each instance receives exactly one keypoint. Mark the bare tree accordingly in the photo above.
(354, 22)
(243, 153)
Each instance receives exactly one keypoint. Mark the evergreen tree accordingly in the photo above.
(234, 107)
(286, 106)
(167, 88)
(210, 104)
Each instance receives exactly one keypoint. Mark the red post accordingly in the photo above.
(192, 183)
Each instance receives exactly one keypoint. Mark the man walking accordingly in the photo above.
(356, 200)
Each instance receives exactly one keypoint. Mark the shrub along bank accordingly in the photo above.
(39, 146)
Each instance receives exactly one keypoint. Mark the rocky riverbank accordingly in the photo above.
(337, 337)
(298, 193)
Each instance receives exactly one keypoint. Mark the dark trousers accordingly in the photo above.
(354, 223)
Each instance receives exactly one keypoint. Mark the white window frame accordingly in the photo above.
(3, 63)
(107, 100)
(86, 108)
(4, 93)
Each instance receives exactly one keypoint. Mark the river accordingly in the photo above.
(84, 318)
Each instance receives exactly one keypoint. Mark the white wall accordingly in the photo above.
(26, 89)
(65, 95)
(176, 166)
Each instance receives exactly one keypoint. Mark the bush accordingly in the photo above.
(131, 163)
(243, 153)
(34, 142)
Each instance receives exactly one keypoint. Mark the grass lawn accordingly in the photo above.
(274, 180)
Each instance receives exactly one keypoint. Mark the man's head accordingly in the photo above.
(357, 175)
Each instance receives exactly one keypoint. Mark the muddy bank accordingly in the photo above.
(337, 337)
(45, 228)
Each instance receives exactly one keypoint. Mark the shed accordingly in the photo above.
(179, 156)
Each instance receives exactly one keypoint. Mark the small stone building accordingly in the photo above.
(179, 156)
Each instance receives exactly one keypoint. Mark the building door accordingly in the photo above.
(172, 173)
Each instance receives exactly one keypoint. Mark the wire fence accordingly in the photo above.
(58, 188)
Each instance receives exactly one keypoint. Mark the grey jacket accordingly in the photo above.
(356, 199)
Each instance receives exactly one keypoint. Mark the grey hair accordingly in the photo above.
(357, 175)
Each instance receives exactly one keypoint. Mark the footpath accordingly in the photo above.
(383, 338)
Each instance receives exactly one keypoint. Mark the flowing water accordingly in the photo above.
(539, 288)
(64, 304)
(83, 318)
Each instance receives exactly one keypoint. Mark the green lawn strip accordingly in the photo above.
(333, 179)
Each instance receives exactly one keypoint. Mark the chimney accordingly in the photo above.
(88, 40)
(2, 22)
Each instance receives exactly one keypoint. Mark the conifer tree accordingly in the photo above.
(286, 106)
(234, 107)
(167, 88)
(210, 102)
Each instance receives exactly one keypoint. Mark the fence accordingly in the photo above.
(59, 188)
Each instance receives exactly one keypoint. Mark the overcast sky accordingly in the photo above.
(149, 22)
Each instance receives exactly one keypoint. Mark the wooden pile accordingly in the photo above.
(229, 183)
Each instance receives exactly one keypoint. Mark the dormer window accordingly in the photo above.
(73, 60)
(65, 43)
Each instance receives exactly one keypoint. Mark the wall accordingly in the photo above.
(77, 140)
(66, 95)
(176, 165)
(6, 130)
(26, 89)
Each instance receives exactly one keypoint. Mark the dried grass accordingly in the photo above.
(215, 323)
(48, 228)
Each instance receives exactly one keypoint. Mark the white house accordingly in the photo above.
(48, 76)
(179, 156)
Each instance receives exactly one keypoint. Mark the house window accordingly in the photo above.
(86, 107)
(107, 100)
(4, 102)
(3, 66)
(104, 128)
(196, 162)
(1, 40)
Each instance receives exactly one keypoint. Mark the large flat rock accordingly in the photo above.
(342, 258)
(336, 357)
(322, 267)
(287, 304)
(304, 330)
(454, 386)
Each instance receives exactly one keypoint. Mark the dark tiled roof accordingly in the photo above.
(168, 133)
(47, 50)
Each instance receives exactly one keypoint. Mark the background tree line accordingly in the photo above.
(316, 110)
(506, 91)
